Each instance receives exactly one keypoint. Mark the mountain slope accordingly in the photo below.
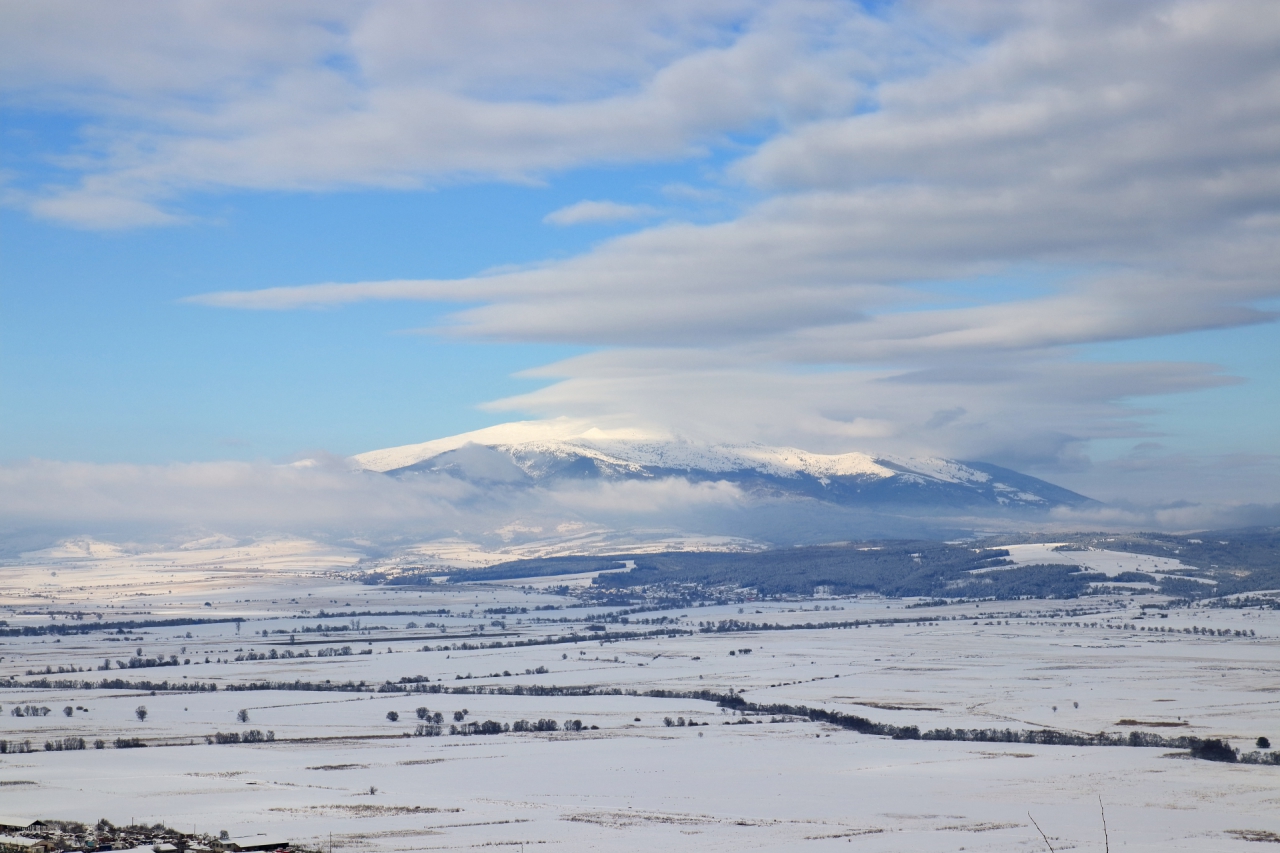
(536, 453)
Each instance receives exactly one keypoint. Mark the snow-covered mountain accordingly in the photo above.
(548, 452)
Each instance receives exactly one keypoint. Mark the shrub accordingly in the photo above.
(129, 743)
(539, 726)
(242, 716)
(1214, 750)
(393, 716)
(66, 743)
(1263, 743)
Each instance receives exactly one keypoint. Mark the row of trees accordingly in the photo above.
(492, 727)
(251, 736)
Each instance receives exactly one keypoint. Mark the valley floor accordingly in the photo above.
(340, 774)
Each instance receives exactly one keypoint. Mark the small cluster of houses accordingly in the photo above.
(26, 835)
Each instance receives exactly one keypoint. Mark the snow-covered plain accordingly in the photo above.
(1109, 563)
(1102, 561)
(633, 783)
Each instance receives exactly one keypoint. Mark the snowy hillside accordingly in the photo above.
(553, 451)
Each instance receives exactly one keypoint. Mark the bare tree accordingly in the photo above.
(141, 713)
(242, 715)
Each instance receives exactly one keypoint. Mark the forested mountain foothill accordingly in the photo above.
(1239, 561)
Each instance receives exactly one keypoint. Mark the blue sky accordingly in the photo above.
(102, 362)
(831, 225)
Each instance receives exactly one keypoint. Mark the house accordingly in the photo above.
(165, 848)
(9, 823)
(18, 844)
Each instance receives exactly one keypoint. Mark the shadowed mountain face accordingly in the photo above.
(503, 456)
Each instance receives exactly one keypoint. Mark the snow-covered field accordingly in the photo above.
(1109, 563)
(338, 766)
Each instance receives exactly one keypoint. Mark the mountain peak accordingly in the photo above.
(541, 452)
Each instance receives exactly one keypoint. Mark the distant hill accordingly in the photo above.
(547, 453)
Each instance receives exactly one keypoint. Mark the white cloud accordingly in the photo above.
(597, 211)
(43, 502)
(1130, 154)
(330, 499)
(1030, 414)
(399, 95)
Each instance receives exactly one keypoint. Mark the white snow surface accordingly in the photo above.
(1109, 563)
(342, 773)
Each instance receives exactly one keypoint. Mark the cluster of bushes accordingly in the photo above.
(29, 711)
(49, 670)
(545, 725)
(251, 736)
(66, 743)
(506, 673)
(1211, 750)
(289, 653)
(553, 640)
(680, 721)
(298, 684)
(1247, 602)
(64, 629)
(488, 727)
(113, 684)
(1207, 632)
(729, 626)
(353, 625)
(143, 663)
(333, 652)
(1220, 750)
(1214, 750)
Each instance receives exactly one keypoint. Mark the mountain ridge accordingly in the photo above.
(540, 452)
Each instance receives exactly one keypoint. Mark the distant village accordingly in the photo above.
(29, 835)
